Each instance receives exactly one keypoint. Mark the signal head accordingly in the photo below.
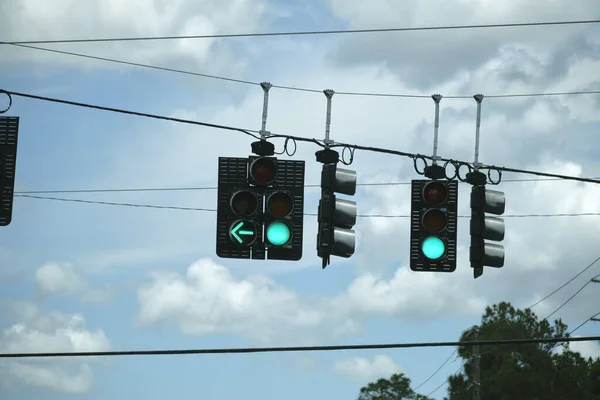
(263, 171)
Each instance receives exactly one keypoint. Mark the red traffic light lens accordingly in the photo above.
(435, 193)
(434, 221)
(280, 204)
(263, 170)
(244, 203)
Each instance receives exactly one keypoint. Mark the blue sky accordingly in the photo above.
(83, 277)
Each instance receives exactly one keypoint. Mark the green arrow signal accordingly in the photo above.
(236, 231)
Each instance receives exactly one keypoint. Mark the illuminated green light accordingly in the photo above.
(278, 233)
(433, 248)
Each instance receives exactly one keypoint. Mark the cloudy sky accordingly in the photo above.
(79, 277)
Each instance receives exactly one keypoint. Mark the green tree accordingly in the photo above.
(524, 371)
(395, 388)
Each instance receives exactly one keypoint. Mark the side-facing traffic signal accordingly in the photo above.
(260, 208)
(9, 131)
(336, 217)
(485, 228)
(433, 225)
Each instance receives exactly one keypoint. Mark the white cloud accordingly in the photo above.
(586, 349)
(363, 369)
(139, 18)
(437, 294)
(51, 332)
(62, 279)
(210, 300)
(432, 57)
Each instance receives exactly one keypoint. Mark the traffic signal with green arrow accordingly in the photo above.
(260, 208)
(433, 225)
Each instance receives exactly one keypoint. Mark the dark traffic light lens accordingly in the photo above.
(280, 204)
(434, 221)
(244, 203)
(263, 171)
(435, 193)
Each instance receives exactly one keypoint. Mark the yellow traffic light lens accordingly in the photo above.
(263, 170)
(280, 204)
(435, 193)
(434, 221)
(244, 203)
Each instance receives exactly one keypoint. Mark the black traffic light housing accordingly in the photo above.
(433, 225)
(9, 132)
(483, 227)
(260, 208)
(336, 216)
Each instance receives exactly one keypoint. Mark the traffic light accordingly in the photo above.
(485, 228)
(336, 217)
(433, 224)
(9, 130)
(260, 208)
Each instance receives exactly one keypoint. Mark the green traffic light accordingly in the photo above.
(433, 248)
(278, 233)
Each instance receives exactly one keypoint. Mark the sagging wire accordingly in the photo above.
(351, 148)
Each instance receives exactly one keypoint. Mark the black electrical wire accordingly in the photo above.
(198, 188)
(572, 296)
(299, 348)
(530, 307)
(583, 323)
(565, 284)
(294, 88)
(134, 64)
(110, 203)
(296, 138)
(304, 33)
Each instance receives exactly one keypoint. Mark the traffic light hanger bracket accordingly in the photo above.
(327, 156)
(263, 148)
(435, 172)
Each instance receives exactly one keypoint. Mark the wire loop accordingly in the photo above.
(460, 164)
(490, 180)
(419, 157)
(450, 178)
(351, 152)
(285, 149)
(9, 101)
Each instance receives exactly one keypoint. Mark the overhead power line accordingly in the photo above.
(295, 138)
(572, 296)
(304, 33)
(299, 348)
(200, 188)
(565, 284)
(528, 308)
(137, 205)
(584, 322)
(295, 88)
